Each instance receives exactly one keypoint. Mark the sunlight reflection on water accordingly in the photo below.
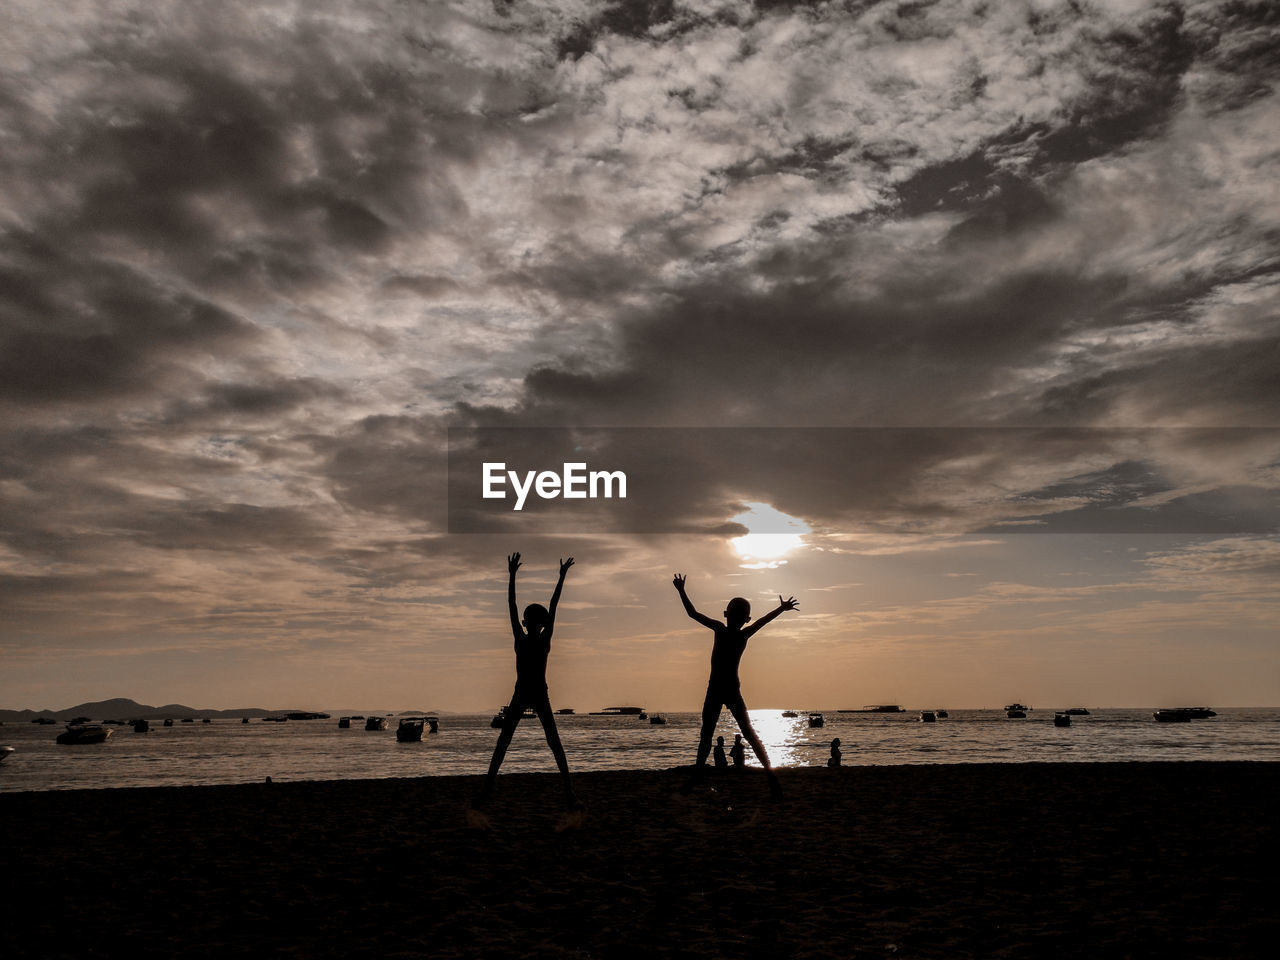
(226, 751)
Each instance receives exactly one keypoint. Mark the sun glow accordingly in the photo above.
(771, 535)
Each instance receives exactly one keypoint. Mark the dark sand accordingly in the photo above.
(1025, 860)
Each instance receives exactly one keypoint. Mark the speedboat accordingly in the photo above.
(1076, 712)
(790, 713)
(81, 733)
(1015, 714)
(618, 712)
(657, 718)
(816, 720)
(1061, 719)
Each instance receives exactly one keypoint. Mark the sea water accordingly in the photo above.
(228, 751)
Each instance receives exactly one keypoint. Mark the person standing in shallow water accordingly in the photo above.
(533, 645)
(724, 686)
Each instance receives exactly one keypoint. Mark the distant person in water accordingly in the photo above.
(834, 759)
(724, 687)
(717, 756)
(533, 644)
(739, 754)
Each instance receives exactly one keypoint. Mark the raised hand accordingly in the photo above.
(678, 581)
(791, 603)
(513, 562)
(565, 565)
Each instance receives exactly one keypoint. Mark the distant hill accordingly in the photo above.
(122, 708)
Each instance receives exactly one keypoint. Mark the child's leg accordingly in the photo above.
(739, 710)
(553, 741)
(509, 722)
(710, 717)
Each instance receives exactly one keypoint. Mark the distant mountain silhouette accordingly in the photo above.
(122, 708)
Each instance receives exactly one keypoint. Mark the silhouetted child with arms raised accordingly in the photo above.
(533, 644)
(724, 687)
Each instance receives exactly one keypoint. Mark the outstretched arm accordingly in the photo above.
(555, 597)
(513, 564)
(783, 605)
(678, 581)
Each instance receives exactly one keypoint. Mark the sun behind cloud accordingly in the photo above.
(771, 536)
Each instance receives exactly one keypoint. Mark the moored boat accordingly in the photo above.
(376, 723)
(1062, 719)
(82, 733)
(409, 729)
(817, 720)
(1183, 714)
(618, 712)
(942, 714)
(928, 716)
(657, 718)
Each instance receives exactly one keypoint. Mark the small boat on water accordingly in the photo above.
(817, 720)
(433, 724)
(4, 753)
(244, 719)
(617, 712)
(410, 730)
(942, 714)
(1014, 714)
(1017, 706)
(1062, 719)
(928, 716)
(1183, 714)
(81, 733)
(44, 721)
(344, 723)
(877, 708)
(642, 716)
(275, 719)
(790, 713)
(565, 712)
(500, 717)
(657, 718)
(168, 723)
(1076, 712)
(376, 723)
(141, 726)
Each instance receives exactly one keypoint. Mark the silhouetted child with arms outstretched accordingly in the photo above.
(533, 644)
(724, 687)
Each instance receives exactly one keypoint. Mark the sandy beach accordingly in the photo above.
(1015, 860)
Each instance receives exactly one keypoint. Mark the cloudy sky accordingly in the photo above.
(257, 259)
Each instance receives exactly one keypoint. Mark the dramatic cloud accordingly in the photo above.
(257, 258)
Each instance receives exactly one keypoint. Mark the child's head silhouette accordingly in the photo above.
(535, 615)
(737, 612)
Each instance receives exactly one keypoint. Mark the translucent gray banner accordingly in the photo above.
(865, 480)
